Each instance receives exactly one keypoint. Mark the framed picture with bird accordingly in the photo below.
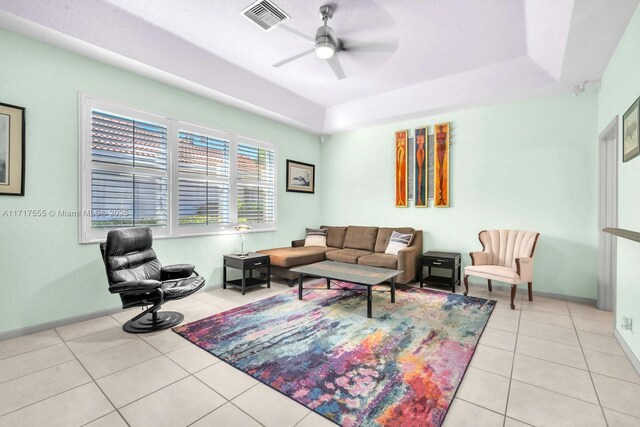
(301, 177)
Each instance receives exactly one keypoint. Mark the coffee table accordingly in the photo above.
(357, 274)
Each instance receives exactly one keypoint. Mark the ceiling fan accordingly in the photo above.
(327, 45)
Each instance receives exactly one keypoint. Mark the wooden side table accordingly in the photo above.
(246, 264)
(446, 260)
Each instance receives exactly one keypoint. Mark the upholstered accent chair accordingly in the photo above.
(507, 256)
(135, 273)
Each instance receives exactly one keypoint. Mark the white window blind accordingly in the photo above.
(203, 190)
(128, 172)
(256, 184)
(139, 169)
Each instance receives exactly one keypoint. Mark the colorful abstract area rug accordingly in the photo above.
(401, 368)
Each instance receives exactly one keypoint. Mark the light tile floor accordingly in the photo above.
(547, 363)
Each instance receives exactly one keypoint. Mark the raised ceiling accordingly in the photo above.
(449, 53)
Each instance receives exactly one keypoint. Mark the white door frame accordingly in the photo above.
(607, 215)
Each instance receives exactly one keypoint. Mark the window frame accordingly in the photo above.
(197, 230)
(267, 146)
(87, 234)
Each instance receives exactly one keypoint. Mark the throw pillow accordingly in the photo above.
(316, 237)
(397, 242)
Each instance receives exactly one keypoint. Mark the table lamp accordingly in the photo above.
(243, 229)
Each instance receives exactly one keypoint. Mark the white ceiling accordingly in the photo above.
(448, 53)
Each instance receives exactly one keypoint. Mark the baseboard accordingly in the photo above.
(524, 290)
(627, 350)
(89, 316)
(70, 320)
(57, 323)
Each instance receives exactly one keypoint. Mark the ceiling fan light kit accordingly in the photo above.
(327, 46)
(326, 41)
(325, 50)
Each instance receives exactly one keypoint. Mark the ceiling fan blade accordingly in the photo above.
(336, 66)
(361, 46)
(293, 58)
(297, 33)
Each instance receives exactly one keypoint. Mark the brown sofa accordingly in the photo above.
(353, 245)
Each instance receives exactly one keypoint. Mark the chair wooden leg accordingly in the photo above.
(530, 291)
(514, 289)
(490, 287)
(466, 285)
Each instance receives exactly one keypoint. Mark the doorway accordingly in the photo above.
(607, 215)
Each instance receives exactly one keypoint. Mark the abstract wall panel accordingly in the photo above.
(420, 172)
(402, 146)
(441, 165)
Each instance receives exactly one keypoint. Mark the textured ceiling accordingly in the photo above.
(450, 53)
(434, 39)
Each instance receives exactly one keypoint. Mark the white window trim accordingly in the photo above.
(197, 230)
(241, 139)
(86, 234)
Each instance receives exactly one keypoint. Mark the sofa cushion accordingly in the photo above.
(335, 236)
(360, 238)
(494, 272)
(346, 255)
(293, 257)
(384, 235)
(379, 260)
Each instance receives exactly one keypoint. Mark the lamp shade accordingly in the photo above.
(325, 51)
(243, 228)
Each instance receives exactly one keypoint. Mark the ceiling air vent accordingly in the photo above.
(266, 14)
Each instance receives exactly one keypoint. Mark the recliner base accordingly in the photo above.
(147, 323)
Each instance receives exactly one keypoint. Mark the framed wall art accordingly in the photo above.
(441, 165)
(301, 177)
(420, 173)
(630, 130)
(12, 147)
(402, 186)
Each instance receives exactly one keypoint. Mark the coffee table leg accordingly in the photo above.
(224, 275)
(328, 283)
(369, 301)
(299, 285)
(393, 289)
(244, 281)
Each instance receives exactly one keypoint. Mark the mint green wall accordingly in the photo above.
(620, 88)
(45, 274)
(524, 165)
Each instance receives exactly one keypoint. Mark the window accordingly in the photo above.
(256, 184)
(138, 169)
(204, 169)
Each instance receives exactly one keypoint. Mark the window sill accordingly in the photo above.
(179, 236)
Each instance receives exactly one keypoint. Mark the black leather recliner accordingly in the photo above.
(134, 272)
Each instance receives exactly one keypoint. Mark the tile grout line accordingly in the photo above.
(39, 370)
(106, 415)
(513, 363)
(227, 400)
(156, 390)
(555, 363)
(93, 381)
(46, 398)
(240, 409)
(32, 350)
(119, 325)
(519, 319)
(479, 406)
(591, 378)
(230, 401)
(96, 379)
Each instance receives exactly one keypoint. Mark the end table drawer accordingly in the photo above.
(439, 262)
(257, 263)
